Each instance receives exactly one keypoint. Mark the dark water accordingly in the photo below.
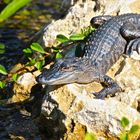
(18, 29)
(13, 50)
(15, 120)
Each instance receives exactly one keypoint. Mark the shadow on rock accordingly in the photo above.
(51, 120)
(17, 119)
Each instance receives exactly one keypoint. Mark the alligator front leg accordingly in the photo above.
(99, 20)
(133, 45)
(131, 32)
(111, 87)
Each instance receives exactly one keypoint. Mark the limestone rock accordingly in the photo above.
(105, 115)
(67, 106)
(74, 103)
(27, 80)
(23, 87)
(119, 6)
(79, 15)
(129, 80)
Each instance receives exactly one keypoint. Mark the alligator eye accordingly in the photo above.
(66, 68)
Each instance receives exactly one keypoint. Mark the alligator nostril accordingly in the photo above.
(38, 78)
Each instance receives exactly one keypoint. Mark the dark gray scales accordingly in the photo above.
(114, 36)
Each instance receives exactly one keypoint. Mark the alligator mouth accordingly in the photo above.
(61, 80)
(56, 80)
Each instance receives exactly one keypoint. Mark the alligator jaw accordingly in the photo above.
(64, 71)
(56, 79)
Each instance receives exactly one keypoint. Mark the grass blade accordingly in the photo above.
(11, 8)
(3, 70)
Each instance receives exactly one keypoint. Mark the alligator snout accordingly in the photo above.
(38, 78)
(41, 78)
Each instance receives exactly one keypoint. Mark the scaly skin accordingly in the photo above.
(114, 37)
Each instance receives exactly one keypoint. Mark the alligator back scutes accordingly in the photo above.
(102, 40)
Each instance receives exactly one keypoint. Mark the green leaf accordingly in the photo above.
(2, 48)
(86, 31)
(134, 129)
(61, 38)
(27, 50)
(32, 61)
(56, 50)
(3, 70)
(37, 47)
(12, 7)
(2, 51)
(124, 122)
(75, 37)
(26, 12)
(90, 136)
(2, 84)
(124, 136)
(58, 55)
(7, 1)
(39, 64)
(15, 77)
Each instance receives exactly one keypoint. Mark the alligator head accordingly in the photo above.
(68, 70)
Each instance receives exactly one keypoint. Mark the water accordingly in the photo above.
(19, 29)
(15, 33)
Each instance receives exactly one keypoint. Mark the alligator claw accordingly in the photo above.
(99, 95)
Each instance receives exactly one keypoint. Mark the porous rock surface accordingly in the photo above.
(70, 110)
(23, 86)
(102, 117)
(80, 13)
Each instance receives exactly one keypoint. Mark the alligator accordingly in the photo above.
(115, 36)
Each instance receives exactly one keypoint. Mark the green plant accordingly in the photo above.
(61, 38)
(90, 136)
(58, 53)
(11, 8)
(3, 70)
(73, 38)
(2, 48)
(37, 47)
(86, 31)
(7, 1)
(39, 64)
(76, 37)
(2, 84)
(128, 134)
(39, 60)
(28, 52)
(15, 77)
(124, 122)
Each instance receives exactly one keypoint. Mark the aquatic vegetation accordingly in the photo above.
(11, 8)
